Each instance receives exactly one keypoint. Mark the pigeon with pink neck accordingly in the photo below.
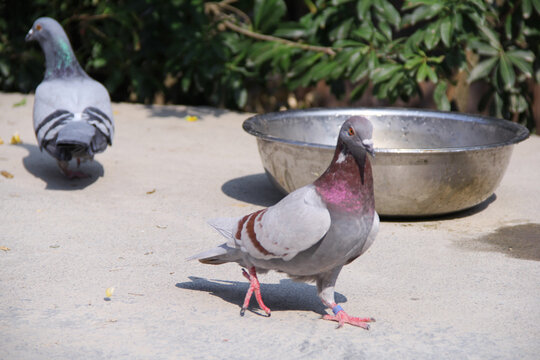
(312, 232)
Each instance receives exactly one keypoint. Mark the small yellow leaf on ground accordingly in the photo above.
(15, 139)
(1, 141)
(192, 118)
(20, 103)
(4, 248)
(109, 291)
(6, 174)
(151, 191)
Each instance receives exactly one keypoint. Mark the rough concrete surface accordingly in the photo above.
(458, 287)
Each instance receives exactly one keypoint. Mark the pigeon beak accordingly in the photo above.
(29, 35)
(368, 145)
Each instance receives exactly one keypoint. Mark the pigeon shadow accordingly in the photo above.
(173, 111)
(450, 216)
(43, 166)
(255, 189)
(285, 296)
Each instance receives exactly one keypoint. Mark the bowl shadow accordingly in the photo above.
(43, 166)
(254, 189)
(450, 216)
(285, 296)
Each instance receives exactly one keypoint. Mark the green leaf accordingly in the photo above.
(422, 72)
(432, 35)
(373, 60)
(395, 80)
(520, 63)
(425, 12)
(386, 30)
(362, 8)
(440, 98)
(518, 104)
(364, 32)
(267, 14)
(361, 71)
(348, 43)
(497, 106)
(323, 70)
(482, 69)
(384, 72)
(388, 12)
(526, 8)
(413, 62)
(506, 71)
(304, 63)
(483, 48)
(240, 97)
(446, 30)
(358, 91)
(290, 30)
(432, 74)
(342, 31)
(490, 35)
(508, 26)
(536, 4)
(527, 56)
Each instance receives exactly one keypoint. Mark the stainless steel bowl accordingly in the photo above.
(426, 163)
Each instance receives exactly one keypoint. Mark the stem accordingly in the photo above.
(217, 10)
(326, 50)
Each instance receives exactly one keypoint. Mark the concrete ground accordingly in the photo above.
(459, 287)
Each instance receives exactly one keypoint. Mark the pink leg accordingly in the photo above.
(71, 174)
(253, 287)
(343, 318)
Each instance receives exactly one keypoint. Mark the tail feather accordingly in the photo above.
(216, 256)
(225, 226)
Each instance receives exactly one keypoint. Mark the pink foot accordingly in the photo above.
(253, 287)
(343, 318)
(72, 174)
(76, 174)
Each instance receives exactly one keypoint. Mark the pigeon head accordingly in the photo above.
(356, 137)
(59, 57)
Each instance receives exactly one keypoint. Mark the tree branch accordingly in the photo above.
(216, 10)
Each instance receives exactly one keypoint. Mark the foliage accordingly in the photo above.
(216, 53)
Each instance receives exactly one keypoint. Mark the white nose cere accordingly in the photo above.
(367, 142)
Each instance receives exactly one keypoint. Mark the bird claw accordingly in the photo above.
(254, 287)
(343, 318)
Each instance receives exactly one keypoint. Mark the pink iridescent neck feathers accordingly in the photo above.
(347, 184)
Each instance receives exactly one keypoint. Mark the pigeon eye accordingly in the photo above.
(38, 27)
(351, 131)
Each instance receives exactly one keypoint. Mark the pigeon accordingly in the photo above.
(312, 232)
(72, 111)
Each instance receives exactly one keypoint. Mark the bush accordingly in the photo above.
(227, 53)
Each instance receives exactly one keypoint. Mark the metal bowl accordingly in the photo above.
(427, 162)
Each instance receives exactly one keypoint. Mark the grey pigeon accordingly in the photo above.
(312, 232)
(72, 112)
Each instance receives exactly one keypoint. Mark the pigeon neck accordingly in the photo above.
(59, 59)
(347, 184)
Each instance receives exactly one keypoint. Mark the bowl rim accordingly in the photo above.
(520, 132)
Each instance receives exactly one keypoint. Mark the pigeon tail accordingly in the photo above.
(217, 256)
(75, 140)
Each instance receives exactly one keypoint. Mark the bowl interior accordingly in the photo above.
(394, 129)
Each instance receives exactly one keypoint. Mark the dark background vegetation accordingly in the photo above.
(264, 55)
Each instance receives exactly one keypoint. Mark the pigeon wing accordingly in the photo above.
(59, 101)
(296, 223)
